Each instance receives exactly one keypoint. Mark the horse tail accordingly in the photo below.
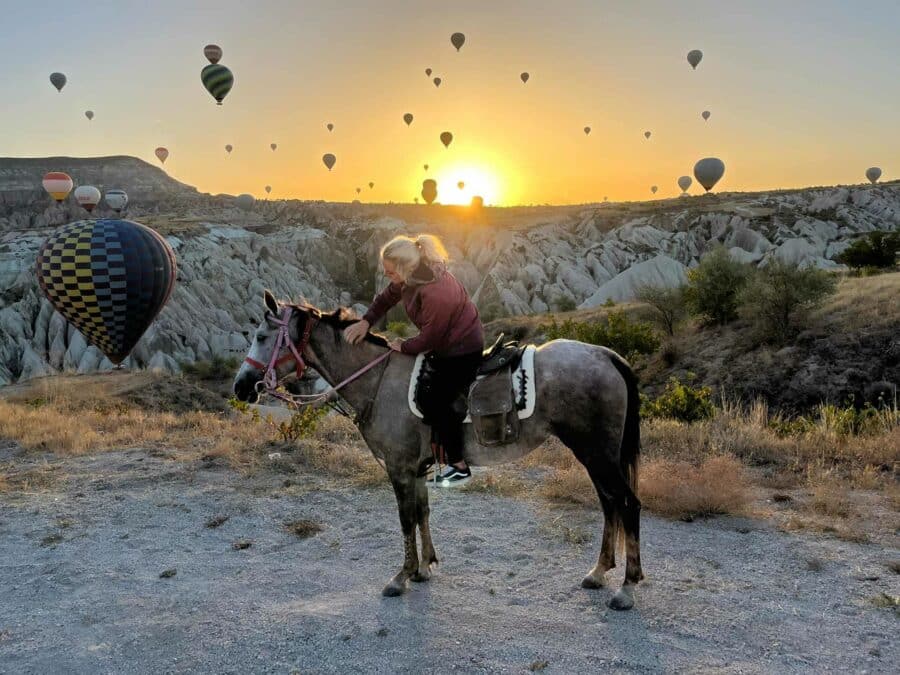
(630, 451)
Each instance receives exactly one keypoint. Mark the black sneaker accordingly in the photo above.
(453, 477)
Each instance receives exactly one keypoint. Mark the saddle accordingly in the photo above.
(501, 355)
(493, 401)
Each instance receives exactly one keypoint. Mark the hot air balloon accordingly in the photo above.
(684, 182)
(358, 190)
(646, 134)
(229, 148)
(653, 189)
(429, 190)
(425, 166)
(694, 57)
(371, 185)
(213, 53)
(218, 81)
(89, 114)
(416, 200)
(458, 40)
(446, 139)
(117, 200)
(274, 146)
(329, 126)
(437, 82)
(161, 154)
(58, 185)
(122, 275)
(708, 171)
(268, 189)
(461, 185)
(705, 114)
(87, 196)
(428, 72)
(477, 202)
(873, 173)
(58, 80)
(245, 202)
(524, 77)
(587, 130)
(329, 160)
(408, 118)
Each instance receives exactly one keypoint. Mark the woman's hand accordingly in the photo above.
(354, 333)
(395, 345)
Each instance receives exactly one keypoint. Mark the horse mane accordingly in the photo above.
(339, 319)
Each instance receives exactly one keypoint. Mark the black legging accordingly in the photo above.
(452, 377)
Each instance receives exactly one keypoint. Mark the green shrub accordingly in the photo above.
(618, 333)
(609, 303)
(398, 328)
(301, 425)
(713, 286)
(681, 402)
(217, 368)
(669, 304)
(876, 249)
(777, 297)
(565, 305)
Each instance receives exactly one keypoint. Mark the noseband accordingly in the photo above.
(270, 372)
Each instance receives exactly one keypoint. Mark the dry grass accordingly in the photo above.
(862, 302)
(497, 483)
(830, 497)
(682, 490)
(303, 528)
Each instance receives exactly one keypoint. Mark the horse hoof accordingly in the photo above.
(590, 581)
(393, 589)
(622, 600)
(421, 576)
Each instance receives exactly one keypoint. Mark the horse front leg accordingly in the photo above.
(423, 510)
(404, 483)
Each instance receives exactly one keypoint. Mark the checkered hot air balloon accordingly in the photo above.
(109, 278)
(218, 80)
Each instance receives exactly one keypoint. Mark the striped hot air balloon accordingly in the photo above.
(58, 185)
(108, 278)
(218, 81)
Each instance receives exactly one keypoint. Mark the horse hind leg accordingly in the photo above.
(423, 510)
(596, 578)
(624, 598)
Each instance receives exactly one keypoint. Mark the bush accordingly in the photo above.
(713, 286)
(617, 332)
(398, 328)
(669, 304)
(681, 402)
(217, 368)
(877, 249)
(565, 305)
(777, 297)
(301, 425)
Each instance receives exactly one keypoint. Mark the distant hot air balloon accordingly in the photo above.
(646, 134)
(694, 57)
(705, 114)
(274, 146)
(425, 166)
(58, 80)
(446, 139)
(371, 185)
(358, 190)
(218, 81)
(268, 189)
(408, 118)
(587, 130)
(229, 148)
(708, 171)
(461, 185)
(458, 40)
(113, 298)
(161, 154)
(477, 202)
(329, 126)
(428, 72)
(429, 190)
(606, 199)
(213, 53)
(245, 202)
(437, 82)
(89, 114)
(117, 200)
(524, 77)
(653, 189)
(416, 200)
(684, 182)
(329, 160)
(58, 185)
(87, 196)
(873, 173)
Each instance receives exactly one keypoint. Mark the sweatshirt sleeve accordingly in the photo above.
(436, 318)
(389, 297)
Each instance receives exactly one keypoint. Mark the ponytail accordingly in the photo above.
(407, 253)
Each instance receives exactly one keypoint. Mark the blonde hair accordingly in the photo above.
(406, 253)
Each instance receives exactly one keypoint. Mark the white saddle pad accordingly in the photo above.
(525, 369)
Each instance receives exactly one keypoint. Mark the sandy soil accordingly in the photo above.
(80, 567)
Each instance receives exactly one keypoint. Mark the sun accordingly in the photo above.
(475, 181)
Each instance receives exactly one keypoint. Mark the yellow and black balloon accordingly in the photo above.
(109, 278)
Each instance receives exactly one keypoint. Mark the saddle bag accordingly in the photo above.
(492, 407)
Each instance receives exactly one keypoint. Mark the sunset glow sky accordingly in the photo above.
(801, 93)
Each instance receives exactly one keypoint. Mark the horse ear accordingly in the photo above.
(270, 301)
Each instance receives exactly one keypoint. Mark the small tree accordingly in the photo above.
(668, 303)
(877, 249)
(617, 332)
(778, 296)
(713, 286)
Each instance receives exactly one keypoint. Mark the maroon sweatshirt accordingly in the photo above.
(438, 304)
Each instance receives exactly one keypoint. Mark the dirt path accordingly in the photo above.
(81, 589)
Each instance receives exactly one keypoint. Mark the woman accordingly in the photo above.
(450, 332)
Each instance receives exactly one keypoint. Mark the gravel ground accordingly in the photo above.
(80, 568)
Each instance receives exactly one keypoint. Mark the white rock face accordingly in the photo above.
(659, 271)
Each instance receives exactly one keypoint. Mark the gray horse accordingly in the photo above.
(586, 396)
